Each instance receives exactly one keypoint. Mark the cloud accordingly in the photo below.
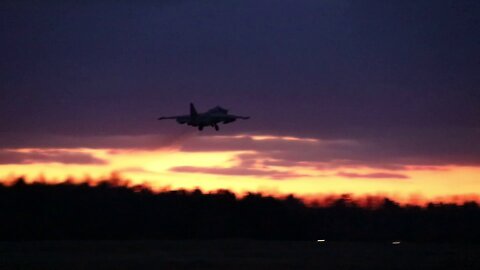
(389, 153)
(48, 156)
(247, 142)
(150, 141)
(239, 171)
(134, 170)
(373, 175)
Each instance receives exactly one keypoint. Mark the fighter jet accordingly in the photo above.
(209, 118)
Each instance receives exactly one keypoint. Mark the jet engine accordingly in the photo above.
(181, 121)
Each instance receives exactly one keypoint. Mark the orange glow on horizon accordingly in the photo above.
(153, 168)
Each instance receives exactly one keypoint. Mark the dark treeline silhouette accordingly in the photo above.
(108, 211)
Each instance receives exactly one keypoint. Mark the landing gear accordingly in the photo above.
(216, 127)
(200, 128)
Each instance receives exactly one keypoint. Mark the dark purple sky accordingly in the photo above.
(401, 76)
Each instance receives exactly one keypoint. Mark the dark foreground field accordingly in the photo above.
(235, 254)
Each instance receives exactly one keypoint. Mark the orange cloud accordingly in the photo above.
(30, 156)
(239, 171)
(380, 175)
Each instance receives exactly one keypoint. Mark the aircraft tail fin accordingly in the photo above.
(193, 111)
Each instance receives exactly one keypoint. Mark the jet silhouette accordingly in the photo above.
(209, 118)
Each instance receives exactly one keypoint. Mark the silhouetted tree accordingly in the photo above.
(110, 211)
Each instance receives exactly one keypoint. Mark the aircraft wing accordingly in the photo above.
(168, 117)
(241, 117)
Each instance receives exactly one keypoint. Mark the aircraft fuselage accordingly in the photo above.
(211, 118)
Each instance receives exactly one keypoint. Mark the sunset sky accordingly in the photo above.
(360, 97)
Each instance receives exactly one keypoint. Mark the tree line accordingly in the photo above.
(64, 211)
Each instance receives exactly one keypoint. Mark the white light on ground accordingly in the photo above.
(321, 240)
(396, 243)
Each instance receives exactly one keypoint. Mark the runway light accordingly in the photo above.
(396, 243)
(321, 240)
